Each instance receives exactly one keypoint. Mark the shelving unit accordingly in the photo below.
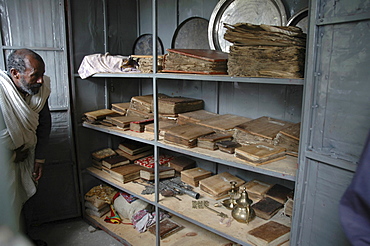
(283, 171)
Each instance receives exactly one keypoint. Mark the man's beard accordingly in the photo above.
(29, 89)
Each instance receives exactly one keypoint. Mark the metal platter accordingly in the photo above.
(300, 19)
(191, 34)
(144, 45)
(269, 12)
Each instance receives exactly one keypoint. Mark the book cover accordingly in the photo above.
(279, 193)
(134, 157)
(209, 141)
(181, 163)
(219, 185)
(115, 161)
(167, 227)
(266, 208)
(134, 147)
(194, 116)
(259, 152)
(269, 234)
(139, 126)
(126, 173)
(224, 122)
(186, 135)
(176, 105)
(99, 155)
(120, 108)
(194, 175)
(164, 172)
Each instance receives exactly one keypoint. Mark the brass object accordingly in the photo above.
(230, 203)
(243, 212)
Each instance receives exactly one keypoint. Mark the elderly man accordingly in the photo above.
(26, 123)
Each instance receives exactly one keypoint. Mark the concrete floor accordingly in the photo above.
(72, 232)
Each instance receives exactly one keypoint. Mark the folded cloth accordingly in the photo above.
(143, 219)
(105, 63)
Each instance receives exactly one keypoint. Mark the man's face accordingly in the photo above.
(32, 79)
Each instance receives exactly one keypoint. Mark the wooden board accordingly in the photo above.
(224, 122)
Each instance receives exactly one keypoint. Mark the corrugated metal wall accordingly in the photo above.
(40, 25)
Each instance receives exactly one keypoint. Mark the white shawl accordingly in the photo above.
(21, 120)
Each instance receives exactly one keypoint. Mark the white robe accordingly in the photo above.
(21, 118)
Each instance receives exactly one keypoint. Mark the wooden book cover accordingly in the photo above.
(139, 113)
(289, 139)
(124, 121)
(266, 208)
(194, 175)
(126, 173)
(120, 108)
(194, 116)
(181, 163)
(257, 189)
(115, 161)
(144, 103)
(269, 234)
(186, 135)
(164, 172)
(259, 153)
(219, 185)
(139, 126)
(227, 146)
(167, 227)
(99, 114)
(176, 105)
(132, 147)
(162, 125)
(224, 122)
(260, 129)
(279, 193)
(209, 141)
(103, 153)
(134, 157)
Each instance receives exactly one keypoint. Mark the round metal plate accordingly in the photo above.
(269, 12)
(300, 19)
(144, 45)
(191, 34)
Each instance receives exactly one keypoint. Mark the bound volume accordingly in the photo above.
(259, 154)
(218, 186)
(176, 105)
(269, 234)
(198, 61)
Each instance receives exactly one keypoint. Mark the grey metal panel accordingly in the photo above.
(39, 25)
(321, 223)
(333, 8)
(200, 8)
(343, 105)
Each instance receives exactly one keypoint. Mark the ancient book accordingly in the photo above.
(134, 157)
(123, 121)
(225, 122)
(194, 175)
(145, 62)
(218, 186)
(167, 227)
(269, 234)
(144, 103)
(162, 126)
(256, 189)
(181, 163)
(164, 172)
(133, 147)
(96, 211)
(186, 135)
(99, 114)
(227, 146)
(198, 61)
(115, 161)
(260, 153)
(103, 153)
(138, 113)
(279, 193)
(288, 205)
(126, 173)
(120, 108)
(266, 208)
(266, 51)
(209, 141)
(263, 129)
(194, 116)
(139, 125)
(289, 138)
(176, 105)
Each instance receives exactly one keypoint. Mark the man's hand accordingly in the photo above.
(37, 171)
(20, 154)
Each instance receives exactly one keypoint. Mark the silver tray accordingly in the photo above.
(300, 19)
(269, 12)
(191, 34)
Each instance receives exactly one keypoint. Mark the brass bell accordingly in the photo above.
(243, 212)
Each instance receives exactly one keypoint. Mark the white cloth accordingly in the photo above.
(21, 120)
(105, 63)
